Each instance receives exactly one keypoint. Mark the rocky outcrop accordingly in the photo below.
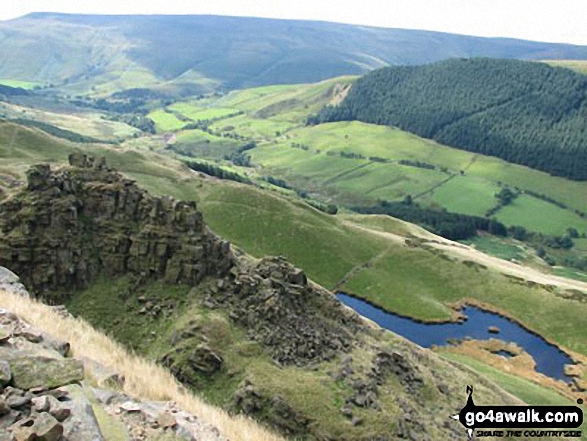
(72, 224)
(41, 397)
(44, 396)
(297, 321)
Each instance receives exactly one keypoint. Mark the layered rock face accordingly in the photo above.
(74, 223)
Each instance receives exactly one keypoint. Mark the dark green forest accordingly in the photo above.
(527, 113)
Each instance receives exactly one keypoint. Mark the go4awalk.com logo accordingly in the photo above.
(518, 421)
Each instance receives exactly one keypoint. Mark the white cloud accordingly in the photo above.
(545, 20)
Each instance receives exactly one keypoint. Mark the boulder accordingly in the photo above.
(5, 373)
(42, 427)
(82, 424)
(33, 371)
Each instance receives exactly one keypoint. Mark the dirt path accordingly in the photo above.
(464, 252)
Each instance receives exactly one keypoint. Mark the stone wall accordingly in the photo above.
(72, 224)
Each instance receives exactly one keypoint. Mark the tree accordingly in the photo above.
(506, 196)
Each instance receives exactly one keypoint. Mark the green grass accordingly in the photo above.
(255, 128)
(537, 215)
(197, 143)
(419, 283)
(195, 112)
(91, 123)
(267, 224)
(28, 85)
(165, 121)
(466, 195)
(498, 247)
(570, 273)
(527, 391)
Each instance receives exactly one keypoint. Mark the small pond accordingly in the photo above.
(549, 359)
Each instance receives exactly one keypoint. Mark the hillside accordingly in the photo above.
(526, 113)
(374, 257)
(254, 336)
(113, 395)
(194, 54)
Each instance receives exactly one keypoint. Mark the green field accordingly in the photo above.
(350, 180)
(28, 85)
(541, 216)
(570, 273)
(196, 143)
(165, 121)
(195, 112)
(466, 195)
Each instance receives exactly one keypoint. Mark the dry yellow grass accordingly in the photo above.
(144, 379)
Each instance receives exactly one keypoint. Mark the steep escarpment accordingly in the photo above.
(254, 336)
(72, 224)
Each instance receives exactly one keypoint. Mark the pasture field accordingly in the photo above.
(464, 194)
(195, 112)
(537, 215)
(253, 128)
(474, 179)
(165, 121)
(196, 143)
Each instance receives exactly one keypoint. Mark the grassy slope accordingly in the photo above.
(144, 380)
(88, 123)
(413, 281)
(274, 117)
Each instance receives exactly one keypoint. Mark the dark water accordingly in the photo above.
(549, 359)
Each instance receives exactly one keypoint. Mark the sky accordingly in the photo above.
(553, 20)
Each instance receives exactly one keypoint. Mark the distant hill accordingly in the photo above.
(227, 52)
(526, 113)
